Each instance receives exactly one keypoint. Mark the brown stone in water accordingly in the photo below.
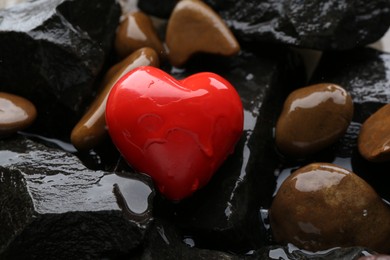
(313, 118)
(374, 136)
(136, 31)
(321, 206)
(16, 113)
(91, 129)
(194, 27)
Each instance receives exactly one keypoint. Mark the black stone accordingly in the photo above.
(291, 253)
(158, 8)
(51, 53)
(53, 207)
(165, 242)
(224, 215)
(318, 24)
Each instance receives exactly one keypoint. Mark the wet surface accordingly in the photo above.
(45, 188)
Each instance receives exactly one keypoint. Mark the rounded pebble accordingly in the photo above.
(137, 31)
(194, 27)
(321, 206)
(374, 136)
(16, 113)
(313, 118)
(91, 129)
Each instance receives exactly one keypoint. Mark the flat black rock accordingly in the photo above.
(51, 53)
(53, 207)
(318, 24)
(224, 215)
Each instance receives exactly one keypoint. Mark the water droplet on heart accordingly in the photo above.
(195, 185)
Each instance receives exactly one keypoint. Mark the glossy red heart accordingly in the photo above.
(178, 132)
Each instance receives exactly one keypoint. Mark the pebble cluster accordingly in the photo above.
(306, 209)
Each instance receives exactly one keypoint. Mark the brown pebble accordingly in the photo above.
(194, 27)
(16, 113)
(313, 118)
(374, 136)
(91, 129)
(137, 31)
(321, 206)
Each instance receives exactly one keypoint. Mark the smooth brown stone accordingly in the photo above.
(136, 31)
(313, 118)
(91, 129)
(321, 206)
(194, 27)
(374, 136)
(16, 113)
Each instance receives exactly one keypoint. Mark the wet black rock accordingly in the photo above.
(224, 215)
(319, 24)
(53, 207)
(51, 53)
(322, 25)
(363, 72)
(292, 253)
(165, 242)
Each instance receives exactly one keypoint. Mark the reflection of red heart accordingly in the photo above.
(178, 132)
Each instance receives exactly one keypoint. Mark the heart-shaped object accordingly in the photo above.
(178, 132)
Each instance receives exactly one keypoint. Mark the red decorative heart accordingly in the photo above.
(178, 132)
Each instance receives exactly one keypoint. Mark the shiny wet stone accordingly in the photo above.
(364, 74)
(313, 117)
(51, 53)
(225, 213)
(136, 31)
(374, 136)
(194, 27)
(53, 207)
(16, 113)
(322, 205)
